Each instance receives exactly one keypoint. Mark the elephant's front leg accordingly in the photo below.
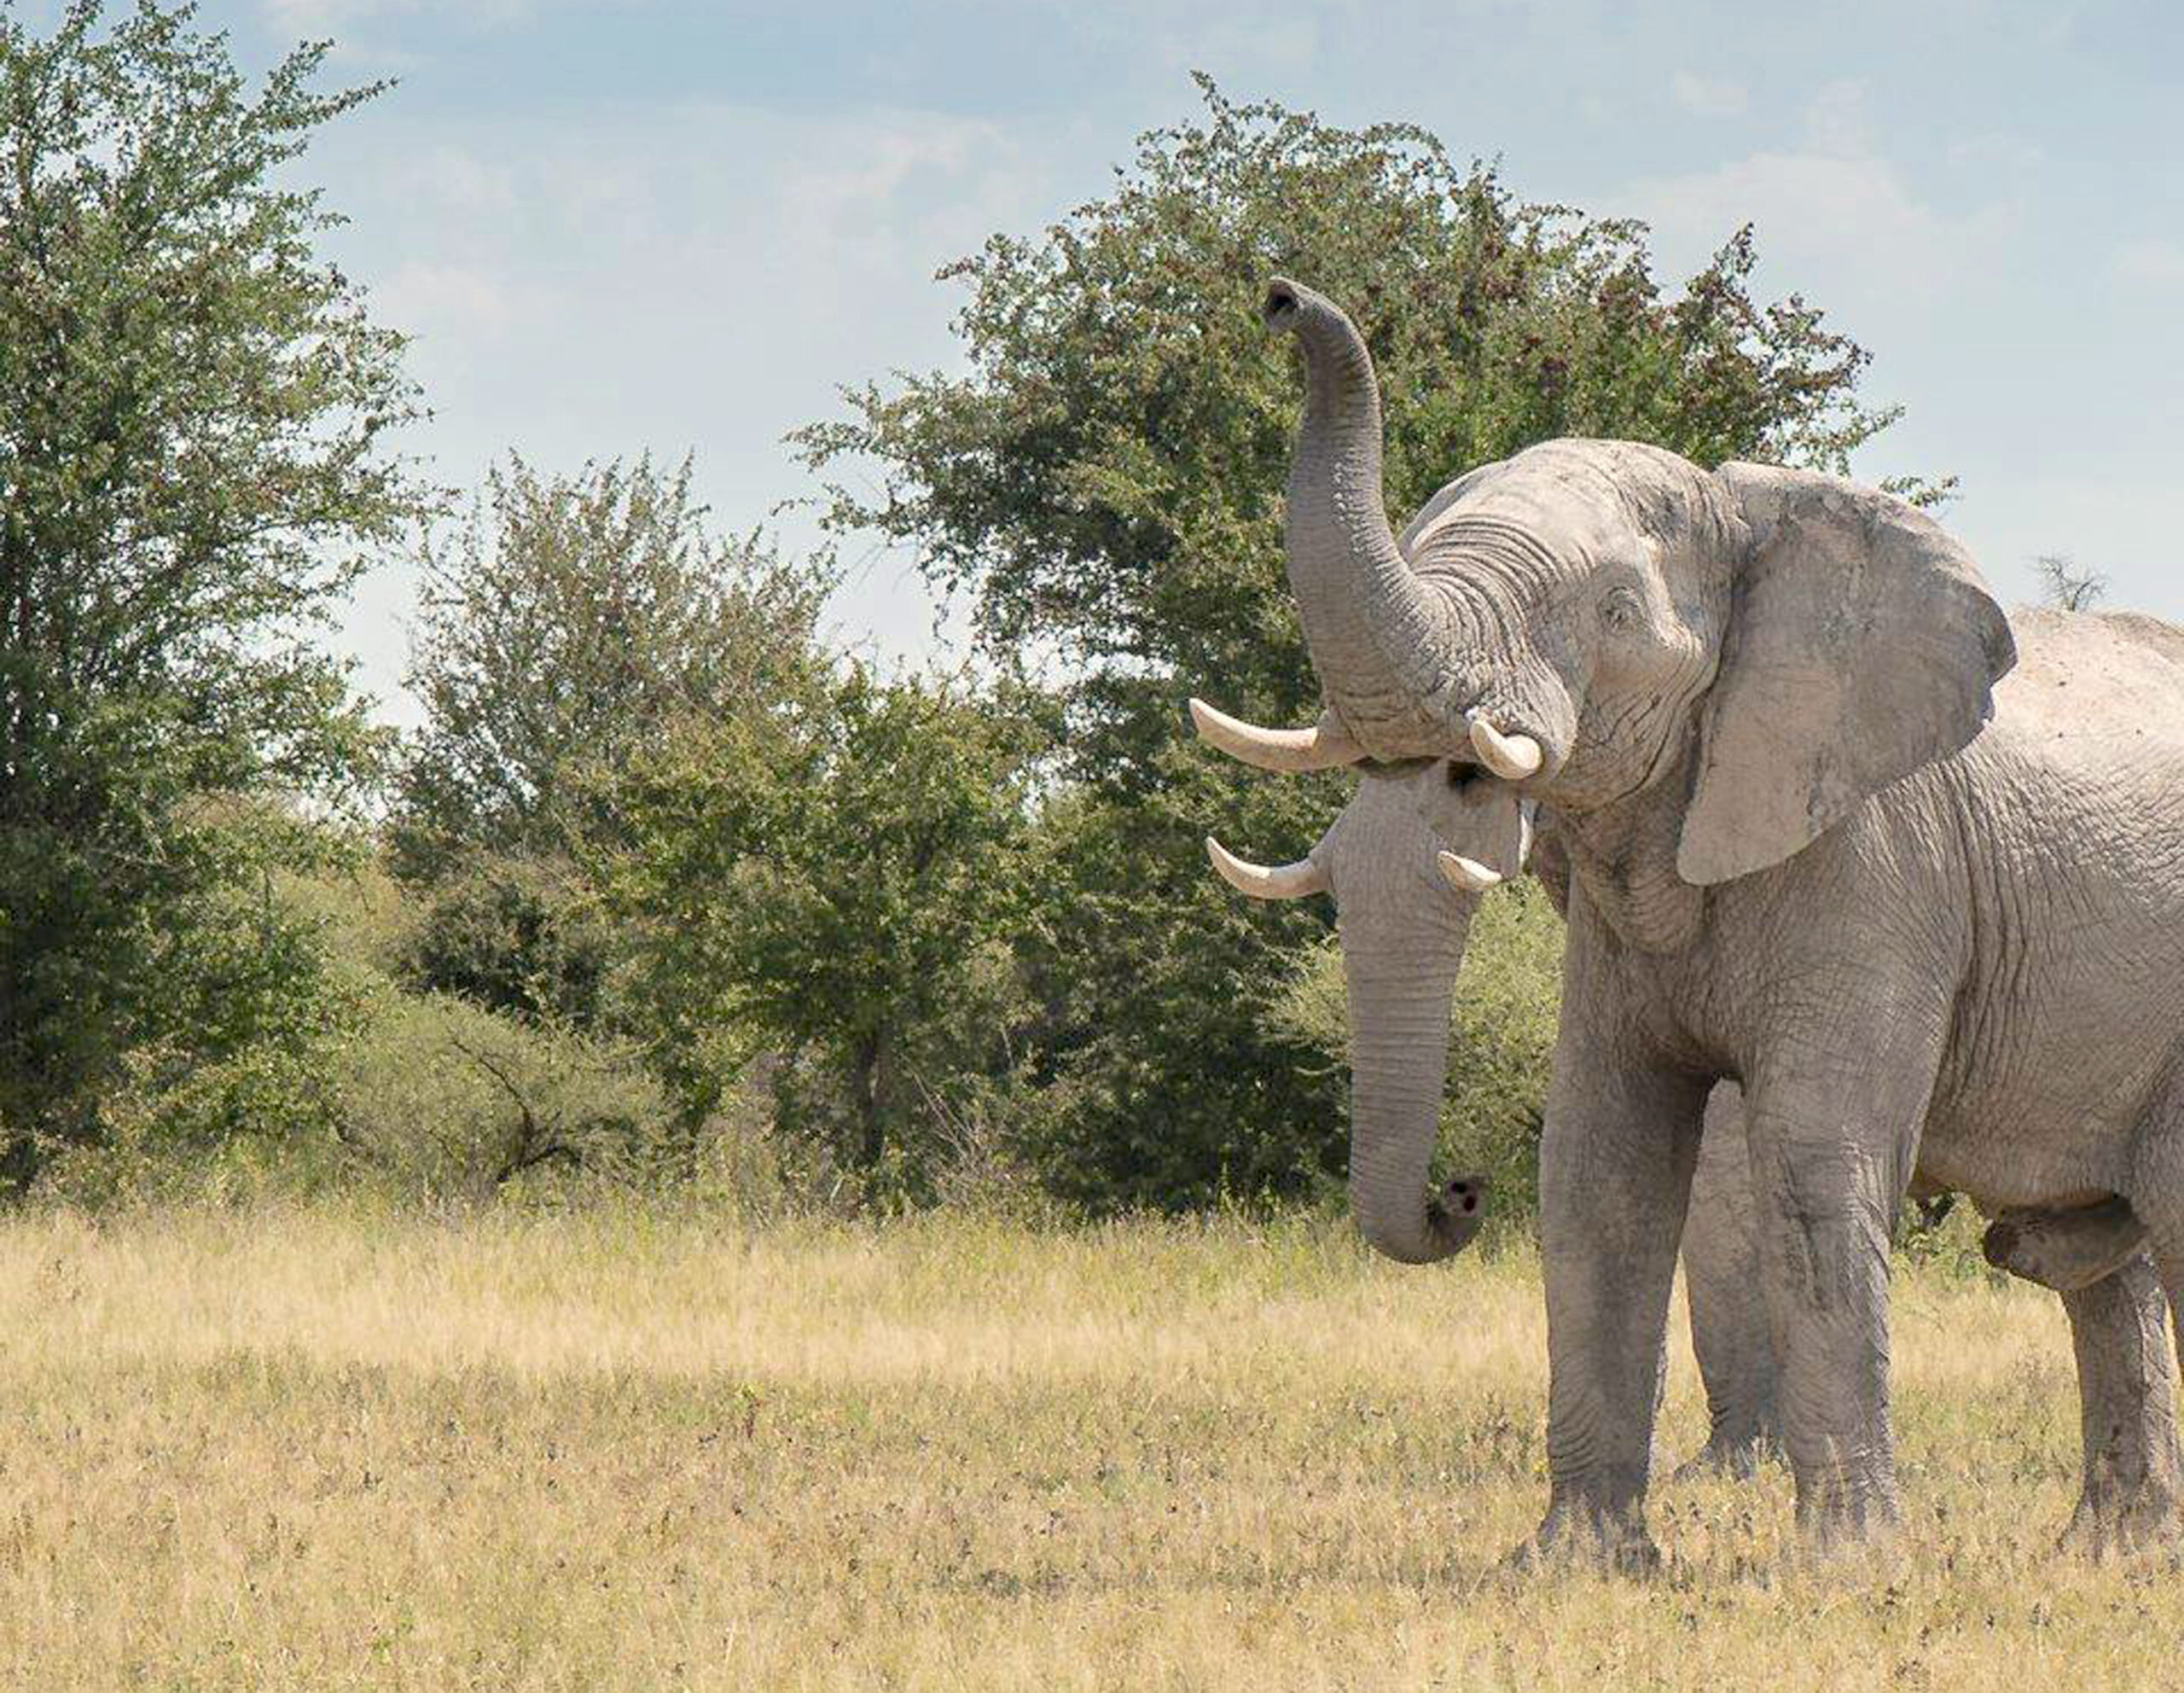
(1831, 1149)
(1615, 1156)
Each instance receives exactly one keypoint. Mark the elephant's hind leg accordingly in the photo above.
(2134, 1472)
(1731, 1335)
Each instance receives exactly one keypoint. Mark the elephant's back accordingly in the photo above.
(2104, 686)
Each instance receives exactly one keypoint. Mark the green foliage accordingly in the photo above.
(1102, 484)
(568, 624)
(1501, 1037)
(302, 1068)
(228, 1094)
(1161, 1086)
(512, 933)
(564, 624)
(837, 887)
(444, 1100)
(192, 412)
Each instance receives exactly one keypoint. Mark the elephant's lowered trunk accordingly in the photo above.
(1403, 922)
(1373, 628)
(1398, 1067)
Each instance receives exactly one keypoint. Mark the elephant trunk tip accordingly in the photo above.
(1280, 308)
(1449, 1221)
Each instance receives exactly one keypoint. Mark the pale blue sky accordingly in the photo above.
(656, 223)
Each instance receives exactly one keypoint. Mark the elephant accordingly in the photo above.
(1836, 829)
(1402, 930)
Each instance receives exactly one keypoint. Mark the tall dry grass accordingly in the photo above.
(307, 1451)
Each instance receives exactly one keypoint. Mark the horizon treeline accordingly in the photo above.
(666, 892)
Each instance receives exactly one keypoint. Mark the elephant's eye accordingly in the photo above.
(1621, 608)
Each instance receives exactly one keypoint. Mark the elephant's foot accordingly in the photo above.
(1734, 1455)
(1842, 1509)
(1581, 1534)
(2114, 1519)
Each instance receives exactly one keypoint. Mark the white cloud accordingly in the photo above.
(1252, 46)
(700, 275)
(1840, 121)
(1707, 97)
(1835, 213)
(2151, 262)
(2006, 155)
(463, 300)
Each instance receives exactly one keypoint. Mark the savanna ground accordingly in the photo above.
(308, 1449)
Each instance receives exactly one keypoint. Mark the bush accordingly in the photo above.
(441, 1099)
(513, 934)
(839, 890)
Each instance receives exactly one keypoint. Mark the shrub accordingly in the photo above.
(441, 1099)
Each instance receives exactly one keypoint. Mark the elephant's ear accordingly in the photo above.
(1861, 644)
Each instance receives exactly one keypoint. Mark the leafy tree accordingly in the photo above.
(563, 623)
(1101, 483)
(837, 888)
(194, 410)
(566, 622)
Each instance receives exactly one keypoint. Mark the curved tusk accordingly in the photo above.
(1511, 757)
(1261, 881)
(1466, 876)
(1327, 745)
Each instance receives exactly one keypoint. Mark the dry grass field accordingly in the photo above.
(307, 1450)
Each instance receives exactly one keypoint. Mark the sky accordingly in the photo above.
(614, 225)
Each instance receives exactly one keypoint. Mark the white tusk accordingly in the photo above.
(1466, 876)
(1261, 881)
(1326, 746)
(1511, 757)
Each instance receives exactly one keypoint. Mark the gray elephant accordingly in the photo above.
(1835, 831)
(1402, 929)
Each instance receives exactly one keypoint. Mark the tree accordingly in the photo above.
(1102, 484)
(194, 417)
(838, 888)
(565, 622)
(2063, 584)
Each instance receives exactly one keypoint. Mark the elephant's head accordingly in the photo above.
(1579, 617)
(1406, 863)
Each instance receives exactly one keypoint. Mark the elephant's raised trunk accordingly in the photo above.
(1399, 996)
(1373, 627)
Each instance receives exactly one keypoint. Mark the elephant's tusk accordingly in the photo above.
(1466, 876)
(1264, 882)
(1511, 757)
(1326, 746)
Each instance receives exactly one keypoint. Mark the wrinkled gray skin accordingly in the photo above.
(1824, 839)
(1402, 931)
(2126, 1396)
(1403, 928)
